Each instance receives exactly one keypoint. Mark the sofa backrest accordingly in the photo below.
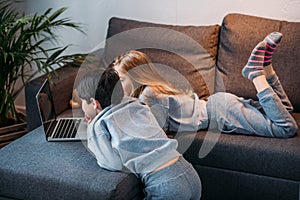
(185, 52)
(239, 35)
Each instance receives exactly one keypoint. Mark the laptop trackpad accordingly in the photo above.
(81, 132)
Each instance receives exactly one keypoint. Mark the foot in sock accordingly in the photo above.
(272, 41)
(254, 66)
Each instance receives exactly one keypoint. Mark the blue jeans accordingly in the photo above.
(269, 116)
(177, 181)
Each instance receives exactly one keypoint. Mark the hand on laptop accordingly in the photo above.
(87, 119)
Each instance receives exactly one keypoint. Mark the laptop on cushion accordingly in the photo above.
(57, 129)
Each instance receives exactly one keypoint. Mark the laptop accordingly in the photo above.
(57, 129)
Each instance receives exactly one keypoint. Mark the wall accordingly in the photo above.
(94, 15)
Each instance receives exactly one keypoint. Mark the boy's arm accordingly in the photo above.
(99, 144)
(104, 153)
(136, 135)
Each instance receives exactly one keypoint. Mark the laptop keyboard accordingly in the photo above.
(66, 128)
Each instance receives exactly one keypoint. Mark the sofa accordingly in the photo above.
(207, 59)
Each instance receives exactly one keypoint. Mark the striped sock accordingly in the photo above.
(254, 67)
(272, 41)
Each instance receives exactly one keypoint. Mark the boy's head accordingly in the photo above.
(99, 89)
(109, 90)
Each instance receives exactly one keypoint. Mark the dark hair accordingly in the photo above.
(109, 89)
(87, 85)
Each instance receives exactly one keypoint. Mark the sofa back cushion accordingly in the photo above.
(239, 35)
(184, 55)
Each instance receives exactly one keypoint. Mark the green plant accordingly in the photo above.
(23, 51)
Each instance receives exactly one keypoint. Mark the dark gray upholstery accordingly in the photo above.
(264, 156)
(32, 168)
(240, 34)
(190, 50)
(272, 164)
(238, 167)
(219, 183)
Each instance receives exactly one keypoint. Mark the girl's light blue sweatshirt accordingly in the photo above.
(177, 112)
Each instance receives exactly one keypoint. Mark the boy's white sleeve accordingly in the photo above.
(100, 145)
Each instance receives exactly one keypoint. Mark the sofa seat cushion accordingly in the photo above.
(240, 34)
(31, 168)
(272, 157)
(179, 52)
(226, 184)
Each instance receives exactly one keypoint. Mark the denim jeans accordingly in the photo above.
(177, 181)
(269, 116)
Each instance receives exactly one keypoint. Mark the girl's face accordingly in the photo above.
(125, 81)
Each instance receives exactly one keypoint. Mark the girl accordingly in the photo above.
(123, 135)
(179, 111)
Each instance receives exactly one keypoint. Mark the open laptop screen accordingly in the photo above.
(45, 105)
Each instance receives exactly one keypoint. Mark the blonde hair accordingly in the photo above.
(142, 72)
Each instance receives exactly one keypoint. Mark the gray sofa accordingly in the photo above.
(210, 58)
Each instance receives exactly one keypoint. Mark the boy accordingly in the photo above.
(124, 135)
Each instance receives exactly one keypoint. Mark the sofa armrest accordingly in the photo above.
(62, 82)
